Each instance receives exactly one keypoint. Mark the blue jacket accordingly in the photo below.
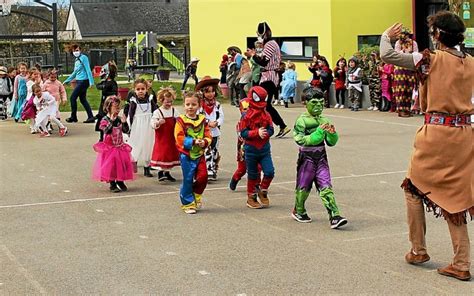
(82, 70)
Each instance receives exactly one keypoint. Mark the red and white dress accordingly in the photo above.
(165, 154)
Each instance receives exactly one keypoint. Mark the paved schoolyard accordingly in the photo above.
(62, 233)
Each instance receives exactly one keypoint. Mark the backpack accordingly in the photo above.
(22, 89)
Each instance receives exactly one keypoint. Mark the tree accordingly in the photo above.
(455, 6)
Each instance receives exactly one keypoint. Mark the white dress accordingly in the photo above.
(142, 135)
(46, 107)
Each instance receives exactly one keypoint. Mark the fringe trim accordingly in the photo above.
(456, 218)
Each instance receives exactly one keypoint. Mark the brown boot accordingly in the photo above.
(451, 271)
(412, 258)
(263, 196)
(252, 202)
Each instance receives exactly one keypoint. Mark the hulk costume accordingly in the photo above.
(312, 131)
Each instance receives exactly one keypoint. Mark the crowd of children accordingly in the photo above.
(32, 96)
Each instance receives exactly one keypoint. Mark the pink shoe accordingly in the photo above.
(63, 131)
(44, 134)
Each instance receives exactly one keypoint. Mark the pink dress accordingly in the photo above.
(114, 160)
(386, 81)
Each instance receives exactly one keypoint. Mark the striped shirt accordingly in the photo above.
(271, 52)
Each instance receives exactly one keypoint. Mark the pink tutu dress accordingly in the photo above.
(114, 160)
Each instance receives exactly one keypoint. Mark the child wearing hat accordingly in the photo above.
(191, 70)
(214, 114)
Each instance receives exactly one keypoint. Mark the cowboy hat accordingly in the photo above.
(206, 81)
(235, 48)
(3, 70)
(194, 60)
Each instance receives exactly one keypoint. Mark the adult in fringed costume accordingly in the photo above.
(312, 132)
(441, 171)
(403, 78)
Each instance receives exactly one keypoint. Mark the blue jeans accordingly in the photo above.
(80, 91)
(186, 77)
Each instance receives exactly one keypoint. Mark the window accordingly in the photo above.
(368, 41)
(293, 48)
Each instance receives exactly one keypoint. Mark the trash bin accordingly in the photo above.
(123, 93)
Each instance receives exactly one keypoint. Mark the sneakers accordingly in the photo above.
(233, 184)
(147, 172)
(304, 218)
(370, 108)
(121, 185)
(283, 132)
(161, 176)
(252, 202)
(71, 120)
(291, 100)
(341, 107)
(44, 134)
(63, 131)
(190, 211)
(375, 108)
(412, 258)
(286, 104)
(33, 131)
(169, 177)
(337, 221)
(282, 103)
(336, 106)
(89, 120)
(211, 176)
(451, 271)
(263, 197)
(275, 102)
(113, 187)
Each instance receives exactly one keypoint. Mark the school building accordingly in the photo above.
(302, 27)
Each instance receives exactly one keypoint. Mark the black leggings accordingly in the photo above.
(342, 93)
(272, 91)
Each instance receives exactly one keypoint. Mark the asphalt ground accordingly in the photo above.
(63, 233)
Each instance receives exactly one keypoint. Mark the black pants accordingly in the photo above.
(80, 91)
(272, 91)
(342, 94)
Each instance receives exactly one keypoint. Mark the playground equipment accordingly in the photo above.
(141, 55)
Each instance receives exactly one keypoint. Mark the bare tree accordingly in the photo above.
(455, 6)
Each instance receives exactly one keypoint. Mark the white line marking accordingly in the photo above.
(170, 192)
(309, 240)
(23, 270)
(66, 191)
(374, 237)
(171, 253)
(119, 222)
(203, 272)
(99, 211)
(42, 176)
(143, 237)
(433, 270)
(54, 183)
(383, 182)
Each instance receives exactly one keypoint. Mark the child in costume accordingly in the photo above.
(114, 161)
(375, 90)
(354, 84)
(386, 79)
(288, 85)
(165, 154)
(19, 91)
(192, 137)
(340, 82)
(46, 111)
(312, 132)
(109, 87)
(214, 114)
(139, 112)
(56, 89)
(256, 128)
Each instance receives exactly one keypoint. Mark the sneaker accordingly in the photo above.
(336, 106)
(199, 205)
(291, 100)
(337, 221)
(252, 202)
(304, 218)
(44, 134)
(89, 120)
(356, 109)
(283, 132)
(286, 104)
(190, 211)
(169, 177)
(341, 107)
(161, 176)
(233, 184)
(63, 131)
(263, 197)
(212, 176)
(113, 187)
(33, 131)
(275, 102)
(375, 108)
(370, 108)
(282, 103)
(71, 120)
(121, 185)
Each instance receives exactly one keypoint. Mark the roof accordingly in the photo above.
(119, 18)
